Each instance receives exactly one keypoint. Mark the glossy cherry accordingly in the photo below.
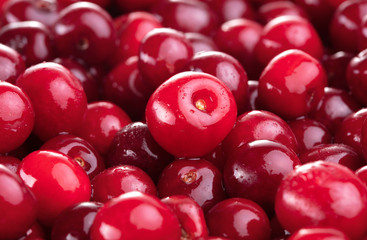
(163, 53)
(201, 42)
(190, 114)
(11, 63)
(319, 233)
(81, 151)
(115, 181)
(56, 180)
(357, 77)
(18, 205)
(55, 85)
(75, 222)
(303, 81)
(141, 216)
(134, 145)
(260, 164)
(323, 194)
(238, 218)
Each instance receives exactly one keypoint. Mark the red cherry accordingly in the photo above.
(190, 114)
(66, 101)
(18, 205)
(56, 180)
(11, 63)
(356, 76)
(295, 75)
(140, 216)
(10, 162)
(233, 9)
(273, 9)
(323, 194)
(35, 232)
(319, 233)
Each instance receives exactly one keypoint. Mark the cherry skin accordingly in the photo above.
(84, 30)
(66, 101)
(198, 179)
(233, 9)
(189, 214)
(44, 173)
(17, 204)
(334, 152)
(79, 150)
(318, 233)
(75, 222)
(132, 5)
(357, 78)
(141, 216)
(16, 117)
(200, 42)
(163, 53)
(227, 69)
(11, 63)
(260, 164)
(362, 174)
(100, 123)
(309, 133)
(259, 125)
(303, 81)
(323, 194)
(238, 218)
(30, 39)
(12, 163)
(134, 145)
(190, 114)
(121, 179)
(35, 232)
(273, 9)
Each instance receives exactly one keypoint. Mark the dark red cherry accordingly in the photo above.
(200, 42)
(10, 162)
(85, 30)
(260, 164)
(198, 179)
(273, 9)
(55, 85)
(134, 145)
(140, 216)
(117, 180)
(18, 205)
(30, 39)
(334, 152)
(11, 63)
(319, 233)
(238, 218)
(75, 222)
(78, 149)
(323, 194)
(357, 77)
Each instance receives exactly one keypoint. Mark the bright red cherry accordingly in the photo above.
(100, 123)
(57, 96)
(323, 194)
(84, 30)
(189, 214)
(56, 180)
(11, 63)
(79, 150)
(163, 53)
(16, 117)
(18, 205)
(238, 218)
(318, 233)
(140, 216)
(190, 114)
(357, 76)
(121, 179)
(292, 75)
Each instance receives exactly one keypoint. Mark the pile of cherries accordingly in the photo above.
(183, 119)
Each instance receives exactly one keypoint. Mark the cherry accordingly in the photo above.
(35, 232)
(55, 85)
(115, 181)
(79, 150)
(84, 30)
(141, 216)
(18, 205)
(233, 9)
(190, 114)
(31, 39)
(75, 222)
(134, 145)
(320, 233)
(323, 194)
(189, 214)
(357, 78)
(200, 42)
(255, 170)
(16, 117)
(10, 162)
(163, 53)
(227, 69)
(238, 218)
(56, 180)
(259, 125)
(11, 63)
(273, 9)
(303, 81)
